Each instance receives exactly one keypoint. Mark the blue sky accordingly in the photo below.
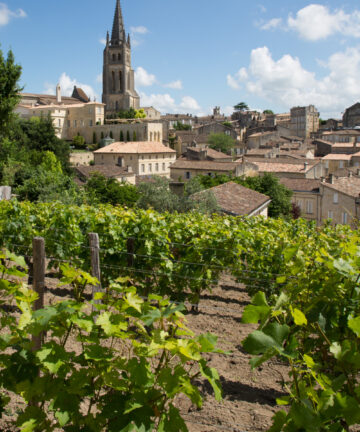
(191, 55)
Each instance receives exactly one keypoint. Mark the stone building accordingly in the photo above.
(144, 158)
(67, 113)
(304, 121)
(340, 200)
(118, 76)
(351, 117)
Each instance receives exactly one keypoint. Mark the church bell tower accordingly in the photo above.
(118, 77)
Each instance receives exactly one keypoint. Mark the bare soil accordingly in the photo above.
(249, 396)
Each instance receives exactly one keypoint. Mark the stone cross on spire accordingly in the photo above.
(118, 31)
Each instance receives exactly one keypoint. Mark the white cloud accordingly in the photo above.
(67, 86)
(143, 78)
(139, 29)
(232, 82)
(167, 104)
(315, 22)
(286, 82)
(6, 14)
(272, 24)
(228, 110)
(102, 41)
(177, 85)
(189, 103)
(262, 8)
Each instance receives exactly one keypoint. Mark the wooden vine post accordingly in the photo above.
(95, 262)
(39, 267)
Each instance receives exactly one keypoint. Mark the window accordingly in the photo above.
(98, 110)
(150, 167)
(344, 218)
(163, 166)
(309, 207)
(156, 167)
(75, 123)
(142, 168)
(341, 164)
(299, 204)
(90, 122)
(336, 198)
(59, 122)
(188, 175)
(113, 57)
(330, 214)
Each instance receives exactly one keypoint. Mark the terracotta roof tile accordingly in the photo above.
(236, 199)
(347, 185)
(301, 185)
(205, 165)
(109, 171)
(136, 147)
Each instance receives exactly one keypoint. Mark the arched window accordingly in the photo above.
(113, 57)
(117, 106)
(119, 56)
(120, 81)
(113, 81)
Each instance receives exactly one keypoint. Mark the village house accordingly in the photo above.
(306, 195)
(351, 117)
(341, 136)
(290, 168)
(341, 200)
(236, 200)
(145, 158)
(121, 174)
(184, 169)
(206, 153)
(334, 161)
(216, 128)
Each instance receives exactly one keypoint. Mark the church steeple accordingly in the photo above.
(118, 31)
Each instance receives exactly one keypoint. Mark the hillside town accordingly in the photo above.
(174, 266)
(318, 160)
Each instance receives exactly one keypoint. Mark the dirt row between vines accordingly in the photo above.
(249, 397)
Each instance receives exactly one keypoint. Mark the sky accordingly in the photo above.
(192, 55)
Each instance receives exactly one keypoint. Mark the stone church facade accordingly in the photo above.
(118, 76)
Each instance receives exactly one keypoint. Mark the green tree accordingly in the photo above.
(268, 111)
(140, 113)
(221, 142)
(228, 124)
(127, 136)
(110, 191)
(241, 106)
(134, 136)
(94, 140)
(79, 142)
(10, 74)
(182, 126)
(121, 136)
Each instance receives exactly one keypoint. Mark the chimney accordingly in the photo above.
(58, 94)
(331, 178)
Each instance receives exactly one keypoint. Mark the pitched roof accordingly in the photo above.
(136, 147)
(284, 165)
(346, 145)
(205, 165)
(301, 185)
(79, 93)
(108, 171)
(347, 185)
(337, 156)
(211, 153)
(342, 132)
(235, 199)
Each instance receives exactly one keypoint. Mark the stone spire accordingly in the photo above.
(118, 31)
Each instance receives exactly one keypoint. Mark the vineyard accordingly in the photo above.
(304, 284)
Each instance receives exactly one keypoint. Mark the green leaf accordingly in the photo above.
(258, 343)
(354, 325)
(212, 376)
(63, 417)
(298, 316)
(279, 332)
(259, 299)
(172, 421)
(134, 301)
(208, 342)
(279, 420)
(254, 314)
